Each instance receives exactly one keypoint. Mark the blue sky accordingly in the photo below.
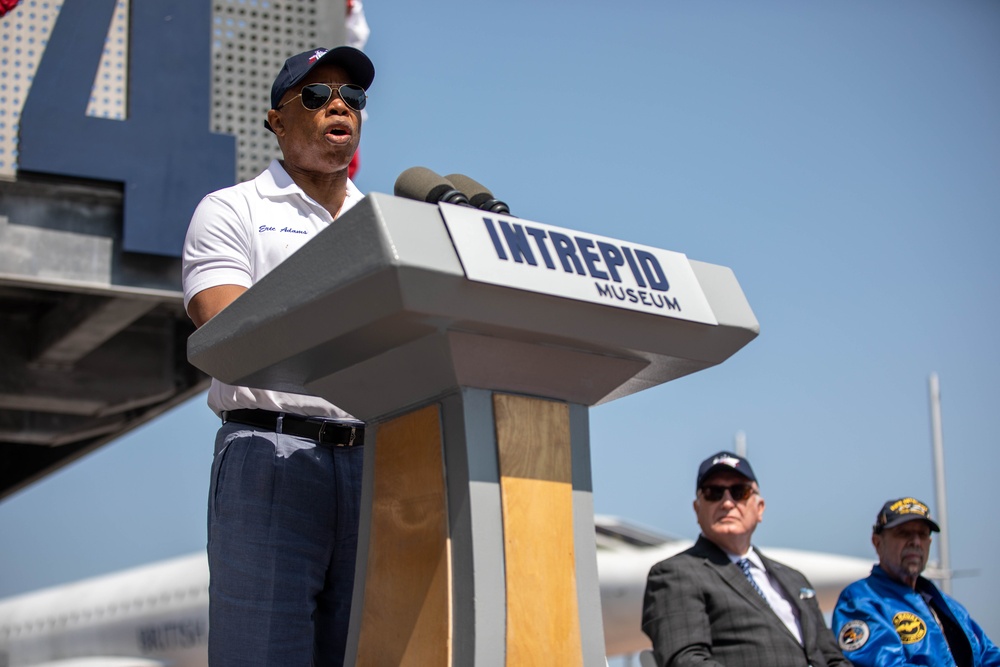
(842, 158)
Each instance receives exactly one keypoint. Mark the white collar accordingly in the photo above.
(275, 182)
(751, 555)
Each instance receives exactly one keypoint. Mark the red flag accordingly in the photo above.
(357, 36)
(7, 5)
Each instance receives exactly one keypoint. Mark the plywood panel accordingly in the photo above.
(533, 442)
(406, 621)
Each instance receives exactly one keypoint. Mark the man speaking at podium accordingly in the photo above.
(286, 479)
(721, 602)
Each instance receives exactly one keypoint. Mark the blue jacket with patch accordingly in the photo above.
(880, 622)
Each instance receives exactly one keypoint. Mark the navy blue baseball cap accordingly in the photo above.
(357, 65)
(724, 461)
(902, 510)
(353, 61)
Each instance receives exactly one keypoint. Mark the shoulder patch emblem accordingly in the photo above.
(910, 627)
(853, 635)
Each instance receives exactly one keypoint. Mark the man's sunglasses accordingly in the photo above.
(315, 96)
(713, 493)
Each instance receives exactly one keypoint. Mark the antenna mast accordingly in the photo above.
(937, 443)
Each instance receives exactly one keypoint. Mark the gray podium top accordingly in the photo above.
(376, 314)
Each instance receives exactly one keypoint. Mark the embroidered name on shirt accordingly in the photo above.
(283, 230)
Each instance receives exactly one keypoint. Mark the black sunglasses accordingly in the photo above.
(714, 493)
(315, 96)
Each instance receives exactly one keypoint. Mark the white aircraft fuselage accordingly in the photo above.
(158, 614)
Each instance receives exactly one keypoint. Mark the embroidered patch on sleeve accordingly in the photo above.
(853, 635)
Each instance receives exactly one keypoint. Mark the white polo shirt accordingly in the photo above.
(237, 235)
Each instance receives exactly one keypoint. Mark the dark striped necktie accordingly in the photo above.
(744, 565)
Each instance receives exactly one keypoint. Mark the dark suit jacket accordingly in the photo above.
(701, 610)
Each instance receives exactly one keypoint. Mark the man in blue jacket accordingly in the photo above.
(896, 616)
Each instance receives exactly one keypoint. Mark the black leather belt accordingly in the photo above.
(321, 430)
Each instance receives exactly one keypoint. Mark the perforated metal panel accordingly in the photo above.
(110, 92)
(23, 35)
(250, 41)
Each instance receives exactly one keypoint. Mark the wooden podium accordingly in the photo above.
(477, 540)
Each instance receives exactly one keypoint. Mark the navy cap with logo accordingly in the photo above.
(901, 510)
(724, 461)
(359, 68)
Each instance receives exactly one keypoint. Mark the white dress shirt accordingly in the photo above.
(785, 610)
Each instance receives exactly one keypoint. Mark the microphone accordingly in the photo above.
(422, 184)
(479, 195)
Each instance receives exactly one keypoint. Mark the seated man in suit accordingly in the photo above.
(722, 602)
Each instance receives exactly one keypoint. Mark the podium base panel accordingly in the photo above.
(477, 539)
(406, 619)
(533, 443)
